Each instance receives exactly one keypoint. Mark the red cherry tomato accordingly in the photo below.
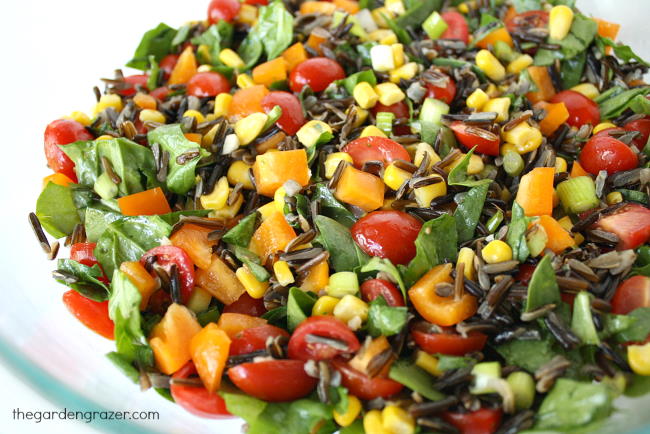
(642, 126)
(445, 94)
(607, 153)
(166, 256)
(607, 132)
(527, 20)
(449, 342)
(457, 27)
(581, 109)
(400, 110)
(62, 132)
(388, 234)
(483, 145)
(525, 273)
(160, 93)
(247, 305)
(197, 400)
(83, 253)
(631, 294)
(631, 224)
(373, 288)
(325, 326)
(375, 148)
(273, 380)
(93, 314)
(204, 84)
(482, 421)
(254, 339)
(159, 302)
(223, 10)
(317, 73)
(167, 64)
(257, 2)
(292, 117)
(133, 82)
(364, 387)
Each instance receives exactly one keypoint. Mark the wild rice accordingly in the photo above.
(40, 234)
(108, 168)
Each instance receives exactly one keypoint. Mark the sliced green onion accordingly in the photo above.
(582, 322)
(273, 117)
(435, 26)
(578, 194)
(343, 283)
(513, 163)
(494, 221)
(523, 387)
(536, 240)
(385, 122)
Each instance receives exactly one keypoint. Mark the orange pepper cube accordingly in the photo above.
(141, 279)
(535, 194)
(234, 323)
(148, 202)
(270, 72)
(295, 55)
(271, 236)
(558, 237)
(556, 115)
(185, 67)
(272, 169)
(58, 179)
(170, 338)
(497, 35)
(247, 101)
(209, 349)
(220, 281)
(360, 189)
(194, 240)
(317, 277)
(542, 80)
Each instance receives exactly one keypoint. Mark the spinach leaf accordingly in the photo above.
(181, 177)
(352, 80)
(252, 262)
(154, 73)
(357, 426)
(527, 354)
(299, 305)
(384, 319)
(402, 35)
(527, 5)
(124, 365)
(416, 379)
(331, 207)
(156, 42)
(436, 242)
(641, 105)
(88, 283)
(616, 100)
(582, 33)
(212, 314)
(274, 28)
(542, 288)
(96, 220)
(516, 236)
(56, 210)
(212, 39)
(469, 211)
(241, 234)
(417, 13)
(277, 316)
(174, 217)
(642, 264)
(458, 175)
(250, 50)
(571, 70)
(623, 52)
(181, 35)
(345, 255)
(582, 322)
(639, 329)
(385, 265)
(127, 239)
(637, 385)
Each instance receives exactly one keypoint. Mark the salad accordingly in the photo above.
(366, 216)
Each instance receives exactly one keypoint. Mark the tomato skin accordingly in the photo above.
(527, 20)
(364, 387)
(375, 148)
(631, 294)
(133, 82)
(247, 305)
(62, 132)
(449, 343)
(292, 117)
(400, 110)
(257, 2)
(642, 126)
(373, 288)
(223, 10)
(254, 339)
(482, 421)
(483, 145)
(607, 153)
(457, 27)
(93, 314)
(445, 94)
(168, 255)
(525, 273)
(160, 93)
(317, 73)
(325, 326)
(273, 380)
(204, 84)
(83, 253)
(197, 400)
(167, 64)
(631, 224)
(581, 109)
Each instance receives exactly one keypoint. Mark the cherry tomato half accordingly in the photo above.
(133, 82)
(581, 109)
(204, 84)
(527, 20)
(257, 2)
(273, 380)
(445, 94)
(631, 294)
(223, 10)
(457, 27)
(254, 339)
(160, 93)
(83, 253)
(197, 400)
(643, 127)
(324, 326)
(317, 73)
(387, 234)
(481, 421)
(449, 342)
(400, 110)
(375, 148)
(364, 387)
(247, 305)
(166, 256)
(488, 144)
(93, 314)
(62, 132)
(167, 64)
(373, 288)
(292, 117)
(631, 224)
(607, 153)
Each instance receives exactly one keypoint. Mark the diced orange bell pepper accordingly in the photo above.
(500, 34)
(247, 101)
(349, 6)
(170, 338)
(558, 238)
(315, 40)
(295, 55)
(270, 72)
(194, 240)
(510, 14)
(220, 281)
(607, 29)
(185, 68)
(209, 349)
(194, 137)
(141, 279)
(58, 179)
(542, 80)
(577, 170)
(535, 194)
(148, 202)
(234, 323)
(272, 169)
(271, 236)
(442, 311)
(317, 277)
(145, 101)
(360, 189)
(315, 7)
(556, 115)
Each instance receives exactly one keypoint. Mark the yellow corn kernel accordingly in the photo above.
(379, 19)
(567, 224)
(248, 128)
(587, 89)
(349, 308)
(424, 195)
(373, 423)
(639, 358)
(498, 105)
(365, 95)
(614, 197)
(247, 14)
(244, 81)
(228, 211)
(230, 58)
(560, 165)
(324, 305)
(422, 149)
(477, 99)
(398, 54)
(351, 413)
(283, 273)
(519, 64)
(394, 177)
(148, 115)
(238, 172)
(492, 90)
(111, 100)
(389, 93)
(194, 114)
(496, 251)
(524, 137)
(395, 6)
(372, 130)
(105, 137)
(466, 257)
(204, 68)
(222, 104)
(254, 287)
(266, 210)
(475, 165)
(218, 197)
(507, 147)
(362, 116)
(278, 198)
(405, 72)
(427, 362)
(383, 36)
(80, 117)
(559, 22)
(602, 126)
(396, 420)
(332, 162)
(490, 65)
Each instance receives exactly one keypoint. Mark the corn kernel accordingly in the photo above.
(222, 104)
(477, 99)
(80, 117)
(218, 197)
(396, 420)
(204, 68)
(383, 36)
(105, 137)
(614, 197)
(365, 95)
(519, 64)
(278, 198)
(427, 362)
(247, 14)
(424, 195)
(492, 91)
(587, 89)
(394, 177)
(373, 423)
(398, 54)
(350, 307)
(238, 173)
(602, 126)
(244, 81)
(560, 165)
(389, 93)
(404, 72)
(362, 116)
(639, 358)
(466, 257)
(496, 251)
(395, 6)
(372, 130)
(475, 165)
(194, 114)
(381, 57)
(379, 19)
(230, 58)
(559, 22)
(507, 147)
(283, 273)
(498, 105)
(524, 137)
(332, 162)
(111, 100)
(266, 210)
(324, 305)
(254, 287)
(490, 65)
(228, 211)
(351, 413)
(423, 149)
(248, 128)
(148, 115)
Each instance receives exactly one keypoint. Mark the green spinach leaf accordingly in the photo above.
(642, 264)
(571, 70)
(639, 328)
(527, 5)
(542, 288)
(241, 234)
(250, 50)
(416, 379)
(582, 322)
(124, 365)
(582, 33)
(458, 175)
(385, 320)
(274, 28)
(212, 39)
(516, 236)
(469, 211)
(56, 210)
(299, 305)
(623, 52)
(331, 207)
(252, 262)
(174, 217)
(345, 255)
(88, 283)
(96, 220)
(352, 80)
(527, 354)
(616, 100)
(377, 264)
(417, 13)
(156, 42)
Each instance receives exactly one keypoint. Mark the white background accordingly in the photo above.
(53, 53)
